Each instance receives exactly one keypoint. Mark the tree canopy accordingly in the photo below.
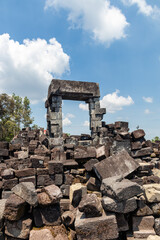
(15, 112)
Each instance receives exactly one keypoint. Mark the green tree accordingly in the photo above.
(26, 119)
(13, 112)
(155, 139)
(18, 109)
(6, 107)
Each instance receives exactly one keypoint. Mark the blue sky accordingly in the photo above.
(114, 43)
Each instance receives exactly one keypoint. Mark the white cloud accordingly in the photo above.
(86, 124)
(70, 115)
(83, 106)
(112, 102)
(147, 111)
(27, 69)
(144, 7)
(66, 121)
(34, 102)
(105, 22)
(148, 99)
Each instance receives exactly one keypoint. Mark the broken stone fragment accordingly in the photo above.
(53, 192)
(55, 167)
(77, 191)
(25, 172)
(82, 153)
(153, 237)
(45, 180)
(44, 199)
(157, 226)
(18, 229)
(119, 164)
(93, 184)
(7, 173)
(68, 218)
(113, 205)
(152, 192)
(27, 191)
(37, 161)
(120, 189)
(8, 184)
(156, 209)
(90, 164)
(47, 215)
(100, 228)
(15, 208)
(2, 209)
(142, 152)
(41, 234)
(22, 154)
(91, 206)
(138, 133)
(143, 223)
(122, 222)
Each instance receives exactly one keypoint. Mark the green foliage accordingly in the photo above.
(14, 111)
(26, 119)
(155, 139)
(35, 127)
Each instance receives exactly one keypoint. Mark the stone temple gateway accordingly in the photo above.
(72, 90)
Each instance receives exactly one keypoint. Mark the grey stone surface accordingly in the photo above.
(27, 191)
(97, 228)
(18, 229)
(2, 208)
(120, 189)
(91, 206)
(119, 164)
(112, 205)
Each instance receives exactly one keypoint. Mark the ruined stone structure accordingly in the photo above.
(72, 90)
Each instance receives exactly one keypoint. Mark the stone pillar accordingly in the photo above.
(96, 115)
(54, 117)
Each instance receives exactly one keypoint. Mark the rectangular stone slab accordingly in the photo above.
(73, 90)
(119, 164)
(97, 228)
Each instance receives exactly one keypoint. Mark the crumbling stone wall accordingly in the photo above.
(72, 90)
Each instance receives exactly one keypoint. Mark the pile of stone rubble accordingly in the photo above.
(80, 191)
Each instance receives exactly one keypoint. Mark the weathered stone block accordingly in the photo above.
(55, 167)
(91, 206)
(58, 178)
(7, 173)
(119, 164)
(97, 228)
(49, 215)
(9, 183)
(138, 133)
(93, 184)
(15, 208)
(27, 191)
(77, 191)
(142, 152)
(18, 229)
(90, 164)
(120, 189)
(37, 161)
(152, 192)
(113, 205)
(65, 190)
(45, 180)
(25, 172)
(2, 209)
(143, 223)
(31, 179)
(53, 192)
(41, 234)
